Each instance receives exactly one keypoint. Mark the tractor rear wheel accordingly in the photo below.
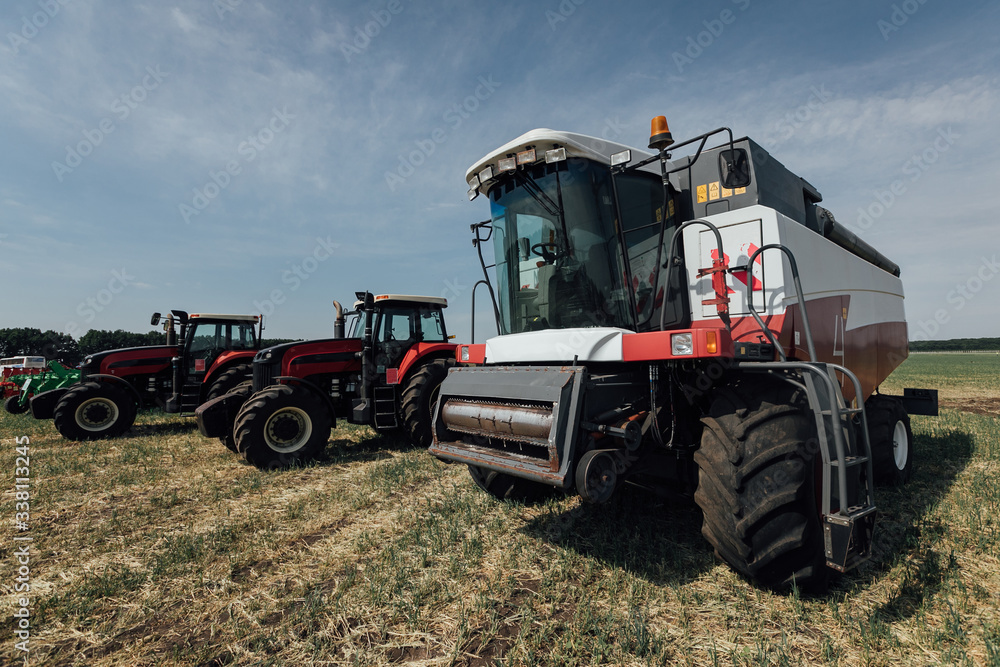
(419, 398)
(891, 440)
(237, 377)
(508, 487)
(757, 485)
(281, 426)
(227, 381)
(92, 410)
(14, 407)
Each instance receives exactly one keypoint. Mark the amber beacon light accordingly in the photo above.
(659, 133)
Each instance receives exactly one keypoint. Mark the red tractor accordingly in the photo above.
(655, 331)
(386, 375)
(207, 357)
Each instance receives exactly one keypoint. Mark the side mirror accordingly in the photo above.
(155, 319)
(734, 168)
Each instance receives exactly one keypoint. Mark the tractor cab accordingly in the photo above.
(205, 340)
(209, 335)
(393, 325)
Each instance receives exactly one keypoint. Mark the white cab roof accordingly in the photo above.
(436, 300)
(217, 316)
(543, 139)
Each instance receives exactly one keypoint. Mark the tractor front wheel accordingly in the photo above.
(92, 410)
(757, 485)
(419, 398)
(281, 426)
(235, 379)
(891, 440)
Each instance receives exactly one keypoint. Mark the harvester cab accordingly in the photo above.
(654, 330)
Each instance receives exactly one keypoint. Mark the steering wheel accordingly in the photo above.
(540, 249)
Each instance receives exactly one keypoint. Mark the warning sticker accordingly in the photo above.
(726, 192)
(740, 191)
(713, 191)
(702, 194)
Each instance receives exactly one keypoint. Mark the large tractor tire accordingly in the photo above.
(92, 410)
(281, 426)
(757, 485)
(14, 407)
(419, 398)
(891, 440)
(510, 488)
(236, 378)
(228, 381)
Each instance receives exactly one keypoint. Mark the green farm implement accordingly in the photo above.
(19, 385)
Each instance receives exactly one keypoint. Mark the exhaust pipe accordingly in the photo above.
(338, 322)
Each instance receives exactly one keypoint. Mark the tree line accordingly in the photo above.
(25, 341)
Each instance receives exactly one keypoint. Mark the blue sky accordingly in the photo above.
(248, 156)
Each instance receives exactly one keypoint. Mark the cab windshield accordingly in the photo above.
(559, 262)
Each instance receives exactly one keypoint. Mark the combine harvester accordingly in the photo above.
(655, 330)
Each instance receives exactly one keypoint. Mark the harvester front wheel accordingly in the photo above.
(419, 397)
(281, 426)
(93, 410)
(891, 440)
(236, 378)
(757, 485)
(508, 487)
(14, 407)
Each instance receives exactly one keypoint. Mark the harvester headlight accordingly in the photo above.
(622, 157)
(526, 157)
(507, 164)
(681, 344)
(474, 182)
(473, 193)
(555, 155)
(465, 353)
(486, 174)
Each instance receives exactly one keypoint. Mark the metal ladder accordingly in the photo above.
(848, 501)
(385, 407)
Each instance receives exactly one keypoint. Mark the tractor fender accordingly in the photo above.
(422, 353)
(287, 379)
(118, 382)
(215, 417)
(225, 361)
(43, 405)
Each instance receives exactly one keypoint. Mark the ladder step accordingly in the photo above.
(850, 461)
